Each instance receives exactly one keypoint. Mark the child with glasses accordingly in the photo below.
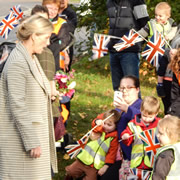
(167, 164)
(146, 120)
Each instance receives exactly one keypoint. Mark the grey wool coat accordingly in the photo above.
(25, 119)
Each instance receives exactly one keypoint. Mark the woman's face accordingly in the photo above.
(53, 10)
(129, 91)
(63, 4)
(40, 42)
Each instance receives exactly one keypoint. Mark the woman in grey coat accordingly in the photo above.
(27, 145)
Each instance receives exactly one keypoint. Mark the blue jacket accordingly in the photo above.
(125, 118)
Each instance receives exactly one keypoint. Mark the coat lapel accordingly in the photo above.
(40, 77)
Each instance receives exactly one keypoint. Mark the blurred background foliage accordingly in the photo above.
(96, 12)
(93, 16)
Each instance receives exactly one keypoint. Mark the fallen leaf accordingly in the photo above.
(66, 157)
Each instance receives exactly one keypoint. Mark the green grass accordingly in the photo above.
(94, 95)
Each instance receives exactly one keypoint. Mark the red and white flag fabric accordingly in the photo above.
(17, 12)
(100, 45)
(140, 174)
(151, 143)
(128, 40)
(74, 149)
(154, 49)
(7, 24)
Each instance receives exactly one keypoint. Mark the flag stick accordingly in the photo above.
(166, 42)
(140, 35)
(133, 135)
(97, 125)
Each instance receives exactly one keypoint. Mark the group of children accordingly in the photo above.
(101, 151)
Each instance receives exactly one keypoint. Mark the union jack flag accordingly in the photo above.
(100, 45)
(128, 40)
(151, 143)
(140, 173)
(17, 12)
(74, 149)
(154, 49)
(7, 24)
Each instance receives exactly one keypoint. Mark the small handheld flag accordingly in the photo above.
(140, 173)
(128, 40)
(100, 45)
(17, 12)
(7, 24)
(154, 49)
(150, 142)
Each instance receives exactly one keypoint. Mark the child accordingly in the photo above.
(167, 164)
(165, 74)
(162, 23)
(141, 122)
(99, 153)
(175, 88)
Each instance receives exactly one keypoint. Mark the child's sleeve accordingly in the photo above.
(111, 155)
(163, 165)
(128, 141)
(172, 33)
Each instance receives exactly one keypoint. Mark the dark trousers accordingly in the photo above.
(112, 172)
(167, 99)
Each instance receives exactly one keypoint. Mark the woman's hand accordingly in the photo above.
(121, 104)
(36, 152)
(103, 170)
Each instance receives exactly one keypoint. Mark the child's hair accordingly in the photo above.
(175, 63)
(57, 2)
(150, 105)
(115, 117)
(39, 8)
(171, 125)
(165, 7)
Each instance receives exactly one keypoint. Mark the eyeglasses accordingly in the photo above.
(128, 88)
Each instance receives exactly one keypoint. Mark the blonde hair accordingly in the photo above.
(171, 125)
(150, 105)
(165, 7)
(115, 117)
(33, 24)
(175, 63)
(57, 2)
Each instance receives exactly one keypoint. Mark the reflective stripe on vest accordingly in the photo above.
(61, 60)
(154, 26)
(168, 74)
(138, 153)
(57, 25)
(95, 152)
(174, 173)
(178, 77)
